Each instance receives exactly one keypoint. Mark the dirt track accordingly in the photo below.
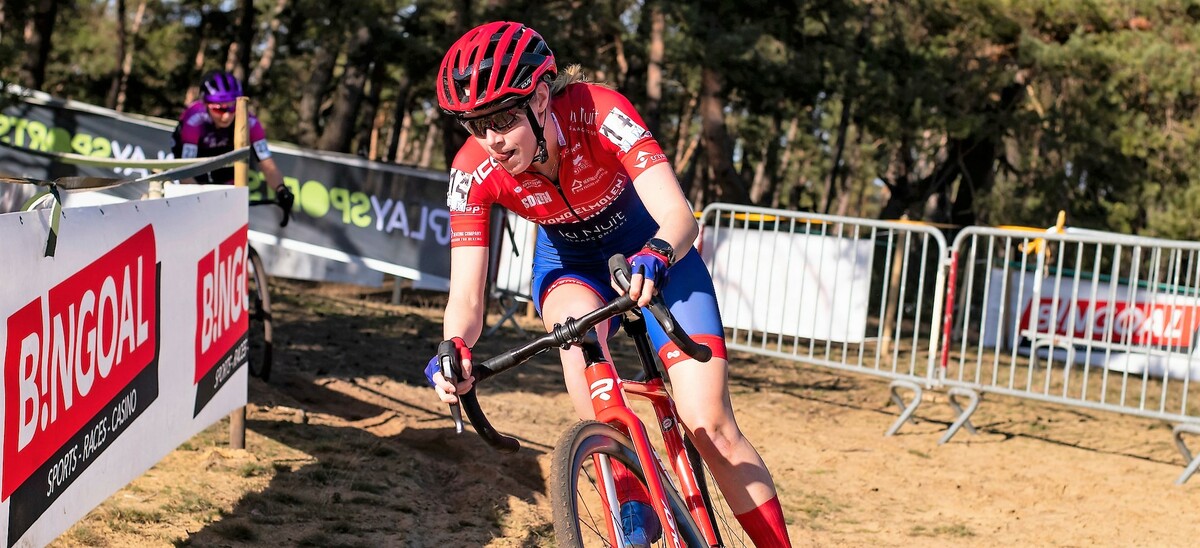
(347, 447)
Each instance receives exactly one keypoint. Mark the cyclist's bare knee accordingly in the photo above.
(715, 437)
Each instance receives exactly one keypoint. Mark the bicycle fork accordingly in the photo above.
(608, 400)
(673, 439)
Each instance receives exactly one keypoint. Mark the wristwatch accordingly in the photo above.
(662, 247)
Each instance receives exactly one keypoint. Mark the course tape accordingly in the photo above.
(180, 169)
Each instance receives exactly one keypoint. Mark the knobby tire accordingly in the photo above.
(577, 524)
(258, 292)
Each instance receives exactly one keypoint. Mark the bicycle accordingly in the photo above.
(583, 491)
(258, 291)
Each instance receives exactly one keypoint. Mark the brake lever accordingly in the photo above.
(451, 366)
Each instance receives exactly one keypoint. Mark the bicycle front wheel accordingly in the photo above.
(582, 516)
(259, 301)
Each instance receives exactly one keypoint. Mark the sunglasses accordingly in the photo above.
(497, 121)
(222, 109)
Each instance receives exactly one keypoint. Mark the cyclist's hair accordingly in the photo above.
(572, 74)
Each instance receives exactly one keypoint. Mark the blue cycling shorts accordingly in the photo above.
(688, 293)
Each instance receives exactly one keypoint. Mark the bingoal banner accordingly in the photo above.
(126, 342)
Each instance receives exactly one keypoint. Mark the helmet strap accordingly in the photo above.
(542, 154)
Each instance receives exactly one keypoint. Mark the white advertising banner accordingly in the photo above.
(1103, 324)
(808, 286)
(514, 260)
(124, 344)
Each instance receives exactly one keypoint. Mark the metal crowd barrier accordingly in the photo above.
(850, 294)
(513, 241)
(1087, 319)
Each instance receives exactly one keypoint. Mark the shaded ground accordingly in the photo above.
(347, 447)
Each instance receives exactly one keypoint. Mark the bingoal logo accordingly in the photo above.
(70, 353)
(222, 316)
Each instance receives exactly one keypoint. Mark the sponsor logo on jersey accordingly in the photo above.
(586, 211)
(484, 169)
(642, 157)
(580, 164)
(645, 159)
(596, 231)
(536, 199)
(583, 116)
(579, 185)
(621, 130)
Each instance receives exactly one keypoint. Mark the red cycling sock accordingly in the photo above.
(765, 525)
(629, 487)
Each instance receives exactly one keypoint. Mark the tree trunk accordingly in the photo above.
(268, 54)
(402, 152)
(785, 163)
(683, 132)
(452, 135)
(127, 63)
(400, 120)
(766, 176)
(654, 69)
(312, 94)
(831, 187)
(114, 85)
(238, 60)
(38, 33)
(348, 98)
(727, 184)
(431, 137)
(193, 91)
(368, 133)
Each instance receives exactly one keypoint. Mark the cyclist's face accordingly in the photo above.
(222, 113)
(505, 132)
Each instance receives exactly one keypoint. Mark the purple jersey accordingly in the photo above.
(198, 137)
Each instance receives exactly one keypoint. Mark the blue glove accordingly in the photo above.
(650, 264)
(435, 365)
(432, 368)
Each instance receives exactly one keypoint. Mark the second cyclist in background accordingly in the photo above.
(206, 129)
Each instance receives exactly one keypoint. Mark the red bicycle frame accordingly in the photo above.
(607, 392)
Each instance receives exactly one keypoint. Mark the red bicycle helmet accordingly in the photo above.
(493, 63)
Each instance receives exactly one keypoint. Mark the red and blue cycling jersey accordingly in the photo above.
(593, 209)
(198, 137)
(590, 213)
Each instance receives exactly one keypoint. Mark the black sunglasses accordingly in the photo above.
(499, 122)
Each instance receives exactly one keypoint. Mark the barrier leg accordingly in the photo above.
(397, 292)
(964, 417)
(1193, 462)
(237, 428)
(510, 306)
(907, 409)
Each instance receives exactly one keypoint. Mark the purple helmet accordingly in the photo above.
(221, 87)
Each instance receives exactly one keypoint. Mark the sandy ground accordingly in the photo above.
(347, 447)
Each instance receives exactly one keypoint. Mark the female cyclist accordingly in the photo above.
(575, 158)
(206, 129)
